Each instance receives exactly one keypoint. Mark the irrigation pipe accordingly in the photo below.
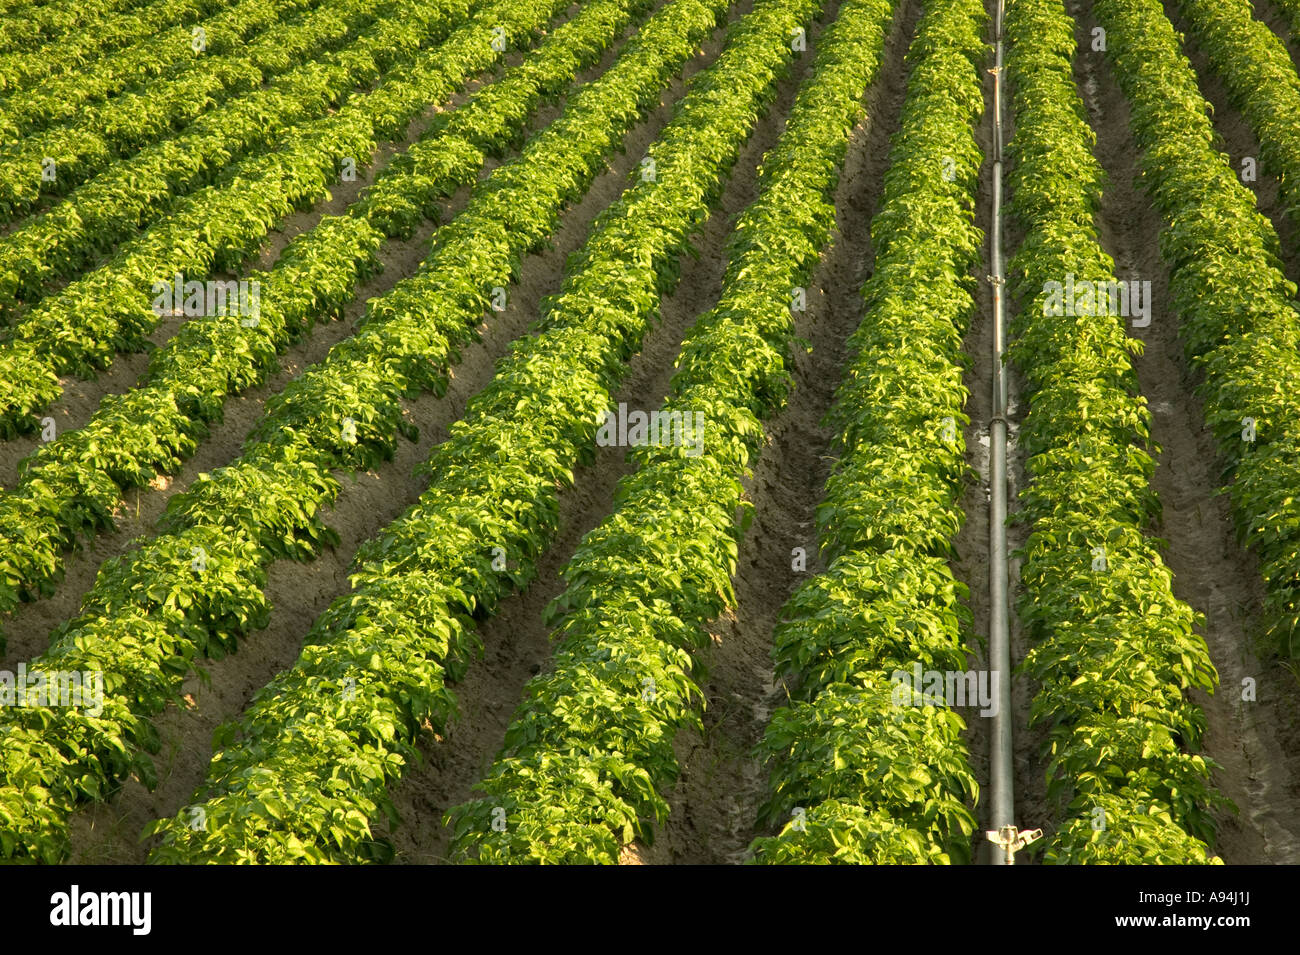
(1001, 784)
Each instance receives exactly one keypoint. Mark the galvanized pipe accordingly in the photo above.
(1001, 781)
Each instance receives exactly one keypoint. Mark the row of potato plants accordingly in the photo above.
(1238, 319)
(39, 24)
(128, 192)
(70, 486)
(863, 772)
(591, 748)
(106, 132)
(1114, 651)
(267, 504)
(494, 485)
(20, 69)
(1261, 80)
(79, 329)
(171, 52)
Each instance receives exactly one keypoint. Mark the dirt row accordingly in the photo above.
(714, 806)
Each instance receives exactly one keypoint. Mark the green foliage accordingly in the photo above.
(844, 832)
(1128, 834)
(554, 809)
(1261, 80)
(419, 585)
(22, 67)
(590, 751)
(1114, 651)
(113, 127)
(858, 777)
(141, 172)
(1238, 320)
(212, 357)
(854, 745)
(289, 164)
(871, 612)
(267, 504)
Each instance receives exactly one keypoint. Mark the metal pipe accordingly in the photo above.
(1001, 781)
